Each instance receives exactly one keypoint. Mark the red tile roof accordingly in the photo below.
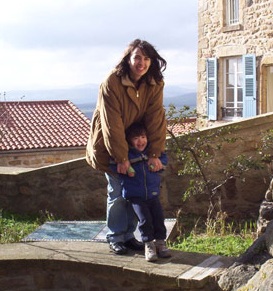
(42, 125)
(181, 127)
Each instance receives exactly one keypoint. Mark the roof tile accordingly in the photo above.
(42, 124)
(181, 127)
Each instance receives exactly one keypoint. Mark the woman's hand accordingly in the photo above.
(155, 164)
(123, 168)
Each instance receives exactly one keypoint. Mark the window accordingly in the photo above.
(238, 87)
(232, 12)
(233, 88)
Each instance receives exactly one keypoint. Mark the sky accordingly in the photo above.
(47, 44)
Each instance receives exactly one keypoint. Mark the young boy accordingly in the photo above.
(142, 188)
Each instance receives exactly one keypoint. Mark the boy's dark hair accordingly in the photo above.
(136, 129)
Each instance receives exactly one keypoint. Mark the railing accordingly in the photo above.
(232, 112)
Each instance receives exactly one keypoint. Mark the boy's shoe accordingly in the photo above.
(161, 249)
(150, 252)
(134, 244)
(118, 248)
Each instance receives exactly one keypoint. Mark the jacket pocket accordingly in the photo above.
(96, 153)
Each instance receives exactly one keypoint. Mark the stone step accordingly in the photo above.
(207, 268)
(84, 242)
(204, 274)
(85, 263)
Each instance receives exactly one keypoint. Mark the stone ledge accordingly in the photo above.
(92, 264)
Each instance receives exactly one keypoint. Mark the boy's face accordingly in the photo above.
(139, 142)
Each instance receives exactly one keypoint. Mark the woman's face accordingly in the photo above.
(139, 64)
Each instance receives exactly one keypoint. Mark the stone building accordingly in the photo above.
(235, 59)
(40, 133)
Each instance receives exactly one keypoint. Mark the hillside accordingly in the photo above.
(85, 96)
(188, 99)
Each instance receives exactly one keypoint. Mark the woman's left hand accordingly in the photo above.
(155, 164)
(122, 168)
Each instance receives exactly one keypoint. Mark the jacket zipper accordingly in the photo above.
(145, 183)
(137, 94)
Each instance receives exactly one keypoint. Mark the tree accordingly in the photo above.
(195, 152)
(266, 152)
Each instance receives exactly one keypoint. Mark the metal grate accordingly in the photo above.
(81, 231)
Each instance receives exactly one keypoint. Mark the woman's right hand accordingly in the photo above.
(155, 164)
(123, 168)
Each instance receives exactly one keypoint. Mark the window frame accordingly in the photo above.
(236, 109)
(232, 12)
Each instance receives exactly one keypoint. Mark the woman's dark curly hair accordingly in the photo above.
(158, 64)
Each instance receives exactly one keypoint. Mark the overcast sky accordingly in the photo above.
(47, 44)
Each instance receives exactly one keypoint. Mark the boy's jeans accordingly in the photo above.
(151, 218)
(120, 216)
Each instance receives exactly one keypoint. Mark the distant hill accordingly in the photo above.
(85, 96)
(188, 99)
(78, 95)
(82, 94)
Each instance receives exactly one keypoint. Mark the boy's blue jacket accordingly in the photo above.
(145, 184)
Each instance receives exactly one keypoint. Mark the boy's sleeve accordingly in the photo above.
(164, 159)
(113, 166)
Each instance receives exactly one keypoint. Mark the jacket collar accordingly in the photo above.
(125, 80)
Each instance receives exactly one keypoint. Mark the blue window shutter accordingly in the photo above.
(249, 86)
(212, 88)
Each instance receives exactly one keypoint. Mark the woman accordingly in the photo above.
(133, 92)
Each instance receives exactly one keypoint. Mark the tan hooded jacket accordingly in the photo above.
(119, 105)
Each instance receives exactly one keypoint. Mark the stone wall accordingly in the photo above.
(252, 36)
(64, 276)
(74, 191)
(38, 158)
(70, 190)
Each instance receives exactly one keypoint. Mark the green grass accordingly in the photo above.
(14, 227)
(228, 245)
(221, 236)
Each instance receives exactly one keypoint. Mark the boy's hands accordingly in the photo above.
(131, 172)
(155, 164)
